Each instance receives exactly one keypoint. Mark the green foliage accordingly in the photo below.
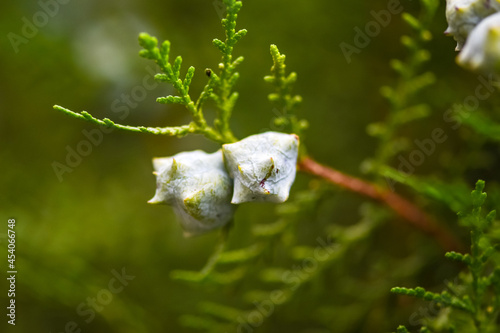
(84, 115)
(219, 87)
(283, 98)
(243, 258)
(405, 107)
(273, 261)
(483, 125)
(477, 295)
(223, 84)
(277, 285)
(452, 195)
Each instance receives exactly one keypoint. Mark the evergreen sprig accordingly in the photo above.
(219, 87)
(172, 75)
(171, 131)
(483, 125)
(401, 97)
(453, 195)
(443, 299)
(282, 96)
(215, 317)
(479, 295)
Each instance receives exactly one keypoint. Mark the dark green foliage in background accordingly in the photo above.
(77, 224)
(472, 302)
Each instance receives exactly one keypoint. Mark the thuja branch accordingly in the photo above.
(283, 97)
(172, 131)
(171, 74)
(405, 209)
(218, 88)
(222, 84)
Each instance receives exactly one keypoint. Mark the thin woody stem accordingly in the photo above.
(404, 208)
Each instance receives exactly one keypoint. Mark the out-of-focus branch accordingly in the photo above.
(404, 208)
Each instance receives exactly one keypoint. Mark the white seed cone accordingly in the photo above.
(464, 15)
(481, 52)
(263, 166)
(198, 187)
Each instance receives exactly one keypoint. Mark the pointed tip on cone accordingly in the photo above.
(154, 201)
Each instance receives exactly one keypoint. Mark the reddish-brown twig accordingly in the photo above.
(404, 208)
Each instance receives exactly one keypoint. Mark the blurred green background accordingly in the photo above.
(72, 231)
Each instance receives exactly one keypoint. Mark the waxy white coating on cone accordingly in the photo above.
(481, 52)
(198, 187)
(263, 166)
(464, 15)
